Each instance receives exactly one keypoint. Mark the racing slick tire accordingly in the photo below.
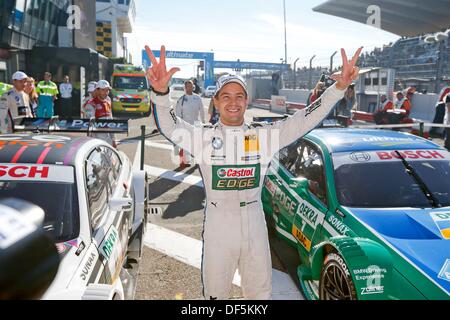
(335, 280)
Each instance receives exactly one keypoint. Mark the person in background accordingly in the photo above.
(316, 93)
(276, 83)
(66, 89)
(14, 103)
(197, 89)
(447, 121)
(30, 89)
(346, 104)
(440, 110)
(47, 91)
(101, 104)
(410, 93)
(403, 103)
(189, 108)
(213, 114)
(402, 109)
(380, 115)
(87, 111)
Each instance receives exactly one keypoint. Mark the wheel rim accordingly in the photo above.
(335, 284)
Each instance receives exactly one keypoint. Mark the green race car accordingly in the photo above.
(368, 212)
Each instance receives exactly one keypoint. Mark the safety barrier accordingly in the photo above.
(421, 128)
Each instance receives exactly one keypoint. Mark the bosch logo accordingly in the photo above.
(360, 157)
(18, 172)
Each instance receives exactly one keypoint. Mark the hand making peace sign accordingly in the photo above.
(350, 71)
(157, 75)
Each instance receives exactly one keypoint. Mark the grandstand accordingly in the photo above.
(420, 60)
(420, 64)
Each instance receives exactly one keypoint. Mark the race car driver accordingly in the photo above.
(100, 108)
(233, 157)
(14, 103)
(87, 110)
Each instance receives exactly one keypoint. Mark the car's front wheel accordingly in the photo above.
(335, 280)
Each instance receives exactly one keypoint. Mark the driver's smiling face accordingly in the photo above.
(231, 103)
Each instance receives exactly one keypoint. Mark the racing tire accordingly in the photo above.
(335, 279)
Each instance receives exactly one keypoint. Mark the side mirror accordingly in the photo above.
(118, 204)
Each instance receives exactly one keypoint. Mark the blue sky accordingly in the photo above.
(250, 30)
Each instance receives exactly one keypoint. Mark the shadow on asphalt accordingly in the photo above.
(285, 253)
(188, 201)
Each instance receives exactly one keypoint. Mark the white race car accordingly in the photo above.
(95, 209)
(210, 91)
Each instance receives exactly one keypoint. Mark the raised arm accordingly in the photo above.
(165, 117)
(307, 119)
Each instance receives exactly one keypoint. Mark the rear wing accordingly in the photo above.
(70, 125)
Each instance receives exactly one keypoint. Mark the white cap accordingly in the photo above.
(103, 84)
(226, 79)
(19, 75)
(91, 86)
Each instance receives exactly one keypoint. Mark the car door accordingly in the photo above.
(285, 201)
(123, 217)
(110, 229)
(308, 182)
(97, 195)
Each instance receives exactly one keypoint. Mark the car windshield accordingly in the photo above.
(381, 180)
(58, 200)
(178, 88)
(130, 83)
(52, 188)
(211, 88)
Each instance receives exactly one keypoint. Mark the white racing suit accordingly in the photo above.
(233, 162)
(13, 104)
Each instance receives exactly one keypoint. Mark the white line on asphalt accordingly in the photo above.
(189, 251)
(166, 174)
(137, 158)
(159, 145)
(174, 176)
